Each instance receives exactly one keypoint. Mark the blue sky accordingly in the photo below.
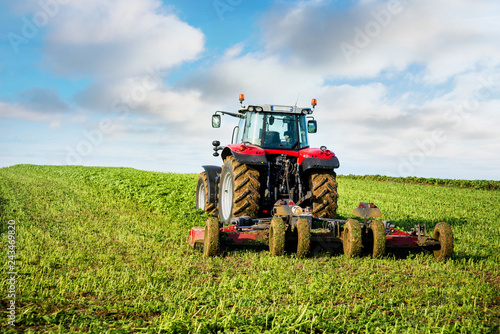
(404, 87)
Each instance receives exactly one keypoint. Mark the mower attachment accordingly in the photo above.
(294, 229)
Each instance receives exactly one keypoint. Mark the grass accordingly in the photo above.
(104, 250)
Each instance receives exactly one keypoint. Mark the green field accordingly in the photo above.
(104, 250)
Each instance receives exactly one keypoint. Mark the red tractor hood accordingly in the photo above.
(253, 150)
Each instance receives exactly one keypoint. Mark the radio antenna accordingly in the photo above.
(297, 100)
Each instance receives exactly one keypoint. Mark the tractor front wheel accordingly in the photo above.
(443, 234)
(238, 191)
(351, 238)
(212, 240)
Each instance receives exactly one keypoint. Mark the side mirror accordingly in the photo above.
(312, 126)
(215, 121)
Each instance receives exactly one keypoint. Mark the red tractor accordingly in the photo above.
(274, 189)
(269, 160)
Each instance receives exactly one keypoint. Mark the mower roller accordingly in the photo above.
(274, 189)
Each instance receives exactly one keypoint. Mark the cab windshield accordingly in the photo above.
(279, 131)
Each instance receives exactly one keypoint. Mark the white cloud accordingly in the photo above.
(262, 78)
(362, 102)
(18, 111)
(447, 37)
(117, 39)
(126, 48)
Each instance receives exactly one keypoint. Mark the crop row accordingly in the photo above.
(474, 184)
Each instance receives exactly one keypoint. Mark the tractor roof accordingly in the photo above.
(276, 109)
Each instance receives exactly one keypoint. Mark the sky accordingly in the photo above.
(404, 87)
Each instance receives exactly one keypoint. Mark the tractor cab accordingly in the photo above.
(272, 126)
(274, 130)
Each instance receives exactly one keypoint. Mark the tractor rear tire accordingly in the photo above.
(324, 190)
(303, 237)
(211, 242)
(351, 238)
(202, 195)
(378, 236)
(444, 234)
(277, 236)
(238, 191)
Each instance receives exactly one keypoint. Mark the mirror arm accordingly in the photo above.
(229, 113)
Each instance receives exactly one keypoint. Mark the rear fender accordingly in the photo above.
(213, 173)
(314, 158)
(318, 163)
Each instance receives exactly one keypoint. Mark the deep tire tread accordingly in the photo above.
(324, 189)
(246, 189)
